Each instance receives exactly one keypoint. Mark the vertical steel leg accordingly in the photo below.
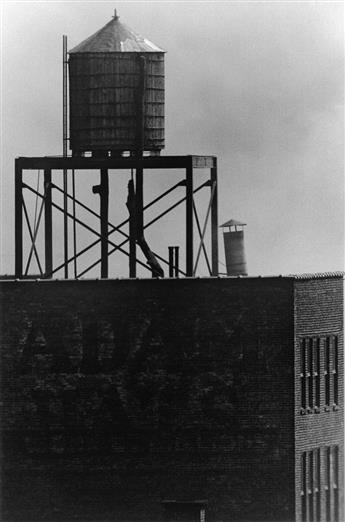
(65, 224)
(138, 218)
(65, 140)
(214, 219)
(103, 190)
(132, 246)
(189, 219)
(171, 261)
(74, 227)
(176, 261)
(48, 229)
(132, 230)
(139, 200)
(18, 220)
(104, 197)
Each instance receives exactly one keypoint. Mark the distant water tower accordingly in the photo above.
(116, 80)
(234, 248)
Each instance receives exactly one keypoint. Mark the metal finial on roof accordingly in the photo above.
(116, 17)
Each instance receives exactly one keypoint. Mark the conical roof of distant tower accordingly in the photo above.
(116, 37)
(233, 223)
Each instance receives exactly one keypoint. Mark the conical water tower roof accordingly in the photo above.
(116, 37)
(232, 223)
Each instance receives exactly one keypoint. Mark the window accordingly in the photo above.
(328, 485)
(317, 375)
(335, 483)
(314, 482)
(331, 371)
(304, 486)
(317, 484)
(310, 485)
(331, 483)
(335, 371)
(327, 371)
(310, 375)
(303, 375)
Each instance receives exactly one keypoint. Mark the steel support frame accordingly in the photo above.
(48, 164)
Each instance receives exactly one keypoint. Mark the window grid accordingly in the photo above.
(316, 485)
(317, 353)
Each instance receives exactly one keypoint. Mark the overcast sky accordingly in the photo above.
(257, 84)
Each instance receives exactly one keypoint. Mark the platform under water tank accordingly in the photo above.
(234, 248)
(116, 84)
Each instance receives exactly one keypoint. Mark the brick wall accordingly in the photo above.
(120, 394)
(318, 316)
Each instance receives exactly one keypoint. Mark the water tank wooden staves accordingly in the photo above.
(116, 82)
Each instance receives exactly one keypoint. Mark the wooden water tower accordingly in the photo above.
(116, 91)
(116, 80)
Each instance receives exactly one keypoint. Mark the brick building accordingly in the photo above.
(211, 399)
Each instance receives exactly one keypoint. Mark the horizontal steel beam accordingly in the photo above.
(147, 162)
(203, 162)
